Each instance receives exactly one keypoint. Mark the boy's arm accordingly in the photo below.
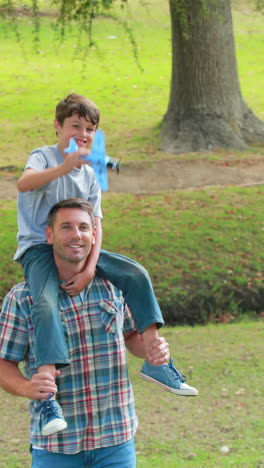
(13, 381)
(76, 284)
(32, 179)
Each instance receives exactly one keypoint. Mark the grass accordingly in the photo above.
(132, 102)
(225, 363)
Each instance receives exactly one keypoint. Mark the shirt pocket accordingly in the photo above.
(112, 315)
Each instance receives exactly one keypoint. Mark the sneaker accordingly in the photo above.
(51, 417)
(167, 377)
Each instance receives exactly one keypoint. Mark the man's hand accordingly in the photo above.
(78, 282)
(40, 386)
(159, 352)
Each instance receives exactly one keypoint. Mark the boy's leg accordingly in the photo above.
(41, 275)
(135, 283)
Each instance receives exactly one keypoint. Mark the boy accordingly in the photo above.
(50, 176)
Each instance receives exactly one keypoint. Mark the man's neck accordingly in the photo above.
(68, 270)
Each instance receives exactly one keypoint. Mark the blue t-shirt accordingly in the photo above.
(33, 206)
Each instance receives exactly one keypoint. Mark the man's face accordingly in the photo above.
(76, 127)
(72, 235)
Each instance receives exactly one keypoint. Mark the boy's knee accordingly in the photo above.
(137, 274)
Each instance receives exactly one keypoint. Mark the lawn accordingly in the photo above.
(220, 428)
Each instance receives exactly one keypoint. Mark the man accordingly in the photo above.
(94, 390)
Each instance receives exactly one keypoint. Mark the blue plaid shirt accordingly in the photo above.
(94, 391)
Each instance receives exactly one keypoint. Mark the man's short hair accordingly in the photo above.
(77, 104)
(78, 203)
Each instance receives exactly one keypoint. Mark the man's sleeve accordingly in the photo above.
(14, 336)
(129, 322)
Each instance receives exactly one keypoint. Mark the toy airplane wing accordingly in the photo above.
(98, 158)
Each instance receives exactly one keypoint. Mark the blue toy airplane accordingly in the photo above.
(98, 158)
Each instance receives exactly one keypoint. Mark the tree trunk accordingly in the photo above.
(206, 110)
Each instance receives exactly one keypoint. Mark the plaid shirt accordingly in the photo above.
(94, 391)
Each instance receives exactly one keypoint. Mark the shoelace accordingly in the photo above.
(46, 404)
(174, 372)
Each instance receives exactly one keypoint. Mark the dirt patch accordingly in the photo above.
(169, 175)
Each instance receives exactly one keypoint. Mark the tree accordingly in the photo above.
(206, 110)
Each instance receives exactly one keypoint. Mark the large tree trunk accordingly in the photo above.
(206, 110)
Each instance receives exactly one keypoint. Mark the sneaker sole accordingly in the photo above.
(176, 391)
(56, 428)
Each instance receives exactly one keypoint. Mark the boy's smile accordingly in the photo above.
(79, 128)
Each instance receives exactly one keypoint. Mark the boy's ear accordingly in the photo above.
(56, 124)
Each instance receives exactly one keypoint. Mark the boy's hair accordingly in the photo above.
(77, 104)
(71, 203)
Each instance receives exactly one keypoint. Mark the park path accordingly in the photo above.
(140, 178)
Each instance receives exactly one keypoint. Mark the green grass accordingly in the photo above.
(132, 102)
(225, 363)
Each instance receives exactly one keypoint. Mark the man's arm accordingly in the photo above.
(13, 381)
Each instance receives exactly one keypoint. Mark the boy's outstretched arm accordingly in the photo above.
(78, 282)
(32, 179)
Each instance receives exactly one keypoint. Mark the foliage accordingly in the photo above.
(260, 5)
(68, 12)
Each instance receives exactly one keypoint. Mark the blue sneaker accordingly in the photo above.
(167, 377)
(51, 417)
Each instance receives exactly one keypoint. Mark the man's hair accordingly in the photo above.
(78, 203)
(77, 104)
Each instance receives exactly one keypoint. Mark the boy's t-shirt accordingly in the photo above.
(33, 206)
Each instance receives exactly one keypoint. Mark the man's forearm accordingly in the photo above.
(37, 388)
(11, 379)
(134, 344)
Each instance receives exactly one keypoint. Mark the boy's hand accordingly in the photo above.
(75, 159)
(78, 282)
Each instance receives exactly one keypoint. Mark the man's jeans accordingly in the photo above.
(118, 456)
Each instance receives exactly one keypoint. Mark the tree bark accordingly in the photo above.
(206, 110)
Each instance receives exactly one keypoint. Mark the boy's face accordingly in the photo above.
(76, 127)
